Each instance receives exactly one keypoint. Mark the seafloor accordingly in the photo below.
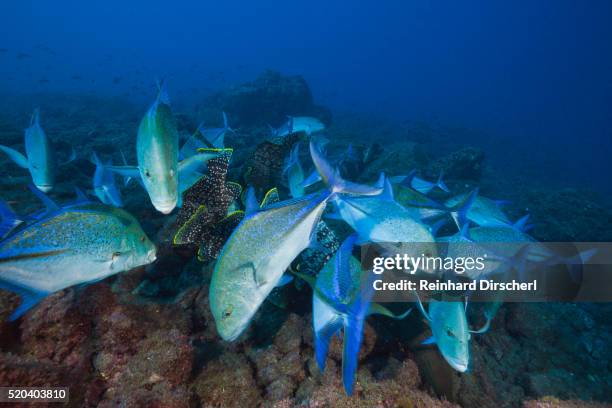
(146, 338)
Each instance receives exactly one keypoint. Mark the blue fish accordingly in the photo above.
(104, 183)
(40, 156)
(341, 301)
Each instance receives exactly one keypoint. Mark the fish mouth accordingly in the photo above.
(152, 255)
(165, 207)
(458, 364)
(45, 188)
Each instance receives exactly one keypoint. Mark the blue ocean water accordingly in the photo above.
(536, 74)
(511, 98)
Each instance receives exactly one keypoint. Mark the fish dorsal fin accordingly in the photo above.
(35, 119)
(50, 205)
(162, 94)
(387, 193)
(270, 198)
(460, 210)
(8, 219)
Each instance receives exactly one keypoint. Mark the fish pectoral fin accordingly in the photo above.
(126, 171)
(429, 340)
(483, 329)
(259, 280)
(29, 299)
(15, 156)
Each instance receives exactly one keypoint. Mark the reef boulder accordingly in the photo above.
(269, 99)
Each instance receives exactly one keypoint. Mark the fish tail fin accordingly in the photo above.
(460, 210)
(162, 93)
(8, 219)
(331, 177)
(353, 335)
(29, 299)
(441, 184)
(326, 323)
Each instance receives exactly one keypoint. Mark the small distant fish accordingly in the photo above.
(116, 80)
(295, 124)
(68, 246)
(23, 55)
(3, 50)
(341, 300)
(104, 183)
(261, 248)
(43, 81)
(40, 155)
(76, 77)
(295, 174)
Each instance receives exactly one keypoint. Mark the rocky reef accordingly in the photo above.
(146, 338)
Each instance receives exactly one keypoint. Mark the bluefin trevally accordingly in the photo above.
(104, 184)
(40, 157)
(294, 124)
(157, 155)
(263, 246)
(67, 246)
(341, 300)
(419, 184)
(381, 219)
(295, 173)
(484, 211)
(450, 331)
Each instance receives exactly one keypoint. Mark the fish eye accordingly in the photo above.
(227, 312)
(147, 174)
(449, 332)
(143, 238)
(116, 255)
